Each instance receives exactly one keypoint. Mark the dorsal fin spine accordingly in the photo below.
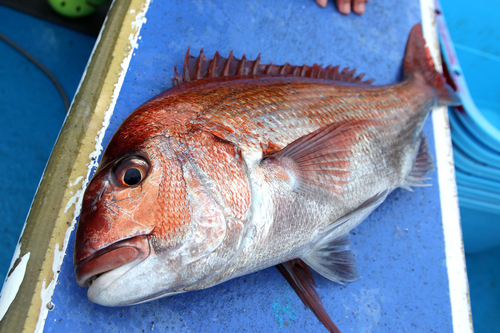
(303, 70)
(227, 64)
(269, 68)
(328, 72)
(283, 68)
(360, 77)
(198, 65)
(196, 68)
(212, 67)
(256, 65)
(336, 74)
(177, 79)
(315, 71)
(350, 74)
(241, 66)
(185, 69)
(343, 73)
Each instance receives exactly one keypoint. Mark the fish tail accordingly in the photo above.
(418, 61)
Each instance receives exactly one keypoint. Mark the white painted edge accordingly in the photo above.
(6, 301)
(452, 230)
(47, 292)
(13, 282)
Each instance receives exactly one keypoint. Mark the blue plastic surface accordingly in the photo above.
(474, 30)
(484, 273)
(483, 197)
(471, 145)
(479, 233)
(477, 182)
(464, 163)
(399, 249)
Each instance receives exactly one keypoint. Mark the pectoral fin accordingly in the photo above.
(300, 278)
(320, 161)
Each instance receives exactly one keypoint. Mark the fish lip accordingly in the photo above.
(111, 257)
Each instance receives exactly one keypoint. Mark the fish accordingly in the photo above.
(242, 166)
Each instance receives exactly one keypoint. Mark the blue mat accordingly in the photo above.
(399, 250)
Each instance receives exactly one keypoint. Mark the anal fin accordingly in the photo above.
(301, 280)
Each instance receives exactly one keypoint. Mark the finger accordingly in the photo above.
(358, 6)
(344, 6)
(322, 3)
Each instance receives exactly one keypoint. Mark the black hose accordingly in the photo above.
(39, 65)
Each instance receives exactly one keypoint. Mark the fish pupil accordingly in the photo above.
(132, 176)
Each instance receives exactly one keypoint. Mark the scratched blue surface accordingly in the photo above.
(399, 249)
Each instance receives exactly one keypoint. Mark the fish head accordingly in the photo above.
(162, 215)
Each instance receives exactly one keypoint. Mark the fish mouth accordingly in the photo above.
(111, 257)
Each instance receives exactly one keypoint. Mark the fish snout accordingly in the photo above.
(107, 259)
(93, 222)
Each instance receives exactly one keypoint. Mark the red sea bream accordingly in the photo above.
(241, 166)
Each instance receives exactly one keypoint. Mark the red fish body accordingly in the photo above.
(242, 166)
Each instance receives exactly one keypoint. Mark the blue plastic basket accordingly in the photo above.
(475, 130)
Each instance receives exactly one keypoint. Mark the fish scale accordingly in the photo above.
(234, 114)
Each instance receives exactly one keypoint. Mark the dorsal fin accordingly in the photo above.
(201, 67)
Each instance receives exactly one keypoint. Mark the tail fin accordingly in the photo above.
(418, 60)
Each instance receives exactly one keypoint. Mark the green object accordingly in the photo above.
(75, 8)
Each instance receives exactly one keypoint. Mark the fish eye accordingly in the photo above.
(132, 176)
(131, 171)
